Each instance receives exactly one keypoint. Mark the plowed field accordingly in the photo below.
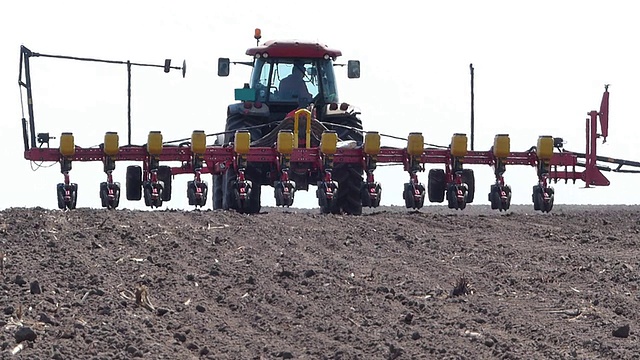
(391, 284)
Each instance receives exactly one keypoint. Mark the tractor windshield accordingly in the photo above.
(294, 80)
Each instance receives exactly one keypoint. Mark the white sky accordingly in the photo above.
(539, 68)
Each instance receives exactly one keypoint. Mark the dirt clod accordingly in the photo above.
(25, 334)
(622, 332)
(35, 288)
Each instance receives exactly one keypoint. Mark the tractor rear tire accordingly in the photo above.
(134, 183)
(469, 179)
(217, 192)
(436, 185)
(348, 197)
(164, 175)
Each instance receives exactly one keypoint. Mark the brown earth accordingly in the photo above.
(300, 285)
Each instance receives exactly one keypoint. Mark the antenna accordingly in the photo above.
(472, 105)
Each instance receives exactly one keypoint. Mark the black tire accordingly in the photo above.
(436, 185)
(507, 205)
(191, 193)
(134, 183)
(74, 197)
(494, 197)
(348, 198)
(547, 207)
(407, 195)
(164, 175)
(537, 198)
(60, 195)
(116, 200)
(452, 198)
(469, 178)
(104, 194)
(228, 196)
(217, 192)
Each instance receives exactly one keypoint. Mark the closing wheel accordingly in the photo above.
(67, 196)
(371, 194)
(104, 194)
(456, 196)
(537, 197)
(251, 203)
(436, 185)
(231, 199)
(60, 194)
(494, 197)
(149, 198)
(452, 199)
(505, 202)
(197, 193)
(164, 175)
(110, 195)
(326, 193)
(73, 196)
(284, 193)
(133, 183)
(469, 178)
(407, 195)
(413, 196)
(547, 206)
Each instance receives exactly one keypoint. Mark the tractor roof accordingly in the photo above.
(294, 48)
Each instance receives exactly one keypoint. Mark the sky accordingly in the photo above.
(540, 67)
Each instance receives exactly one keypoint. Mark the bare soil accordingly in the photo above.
(391, 284)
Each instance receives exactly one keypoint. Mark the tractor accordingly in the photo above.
(289, 76)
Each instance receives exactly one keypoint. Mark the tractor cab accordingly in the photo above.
(290, 74)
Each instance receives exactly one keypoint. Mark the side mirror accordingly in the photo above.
(223, 67)
(353, 69)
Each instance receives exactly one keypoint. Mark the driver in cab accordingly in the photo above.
(294, 86)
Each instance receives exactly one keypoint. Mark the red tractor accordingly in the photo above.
(288, 76)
